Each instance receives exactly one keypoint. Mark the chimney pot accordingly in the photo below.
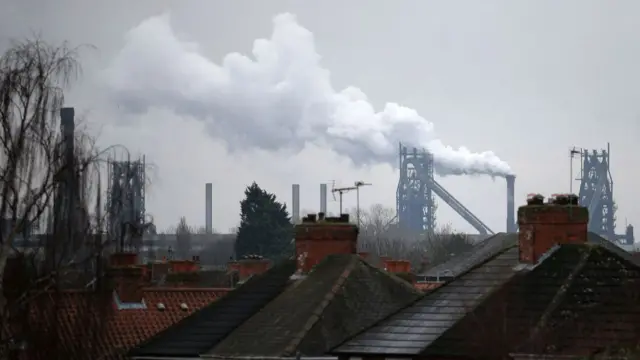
(542, 226)
(535, 199)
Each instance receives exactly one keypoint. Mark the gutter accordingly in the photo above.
(162, 358)
(258, 357)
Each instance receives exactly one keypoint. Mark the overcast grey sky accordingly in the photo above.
(525, 79)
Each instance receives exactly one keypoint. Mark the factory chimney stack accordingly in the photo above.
(511, 222)
(323, 198)
(209, 208)
(295, 203)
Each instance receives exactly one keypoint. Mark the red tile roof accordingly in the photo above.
(84, 322)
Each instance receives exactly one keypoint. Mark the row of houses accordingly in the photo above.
(553, 290)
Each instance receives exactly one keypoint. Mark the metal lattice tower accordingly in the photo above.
(415, 202)
(415, 197)
(596, 191)
(125, 203)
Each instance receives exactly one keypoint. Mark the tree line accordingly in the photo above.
(265, 229)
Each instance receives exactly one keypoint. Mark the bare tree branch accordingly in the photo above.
(48, 181)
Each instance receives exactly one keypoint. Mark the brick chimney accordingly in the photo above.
(397, 266)
(315, 238)
(251, 265)
(127, 277)
(543, 225)
(183, 266)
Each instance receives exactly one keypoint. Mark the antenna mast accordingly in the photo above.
(356, 186)
(341, 191)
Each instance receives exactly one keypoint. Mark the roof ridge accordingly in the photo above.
(479, 264)
(337, 285)
(559, 296)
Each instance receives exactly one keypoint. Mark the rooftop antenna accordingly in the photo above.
(356, 186)
(341, 191)
(572, 153)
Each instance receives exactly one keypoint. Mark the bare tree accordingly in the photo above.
(49, 181)
(381, 235)
(183, 238)
(376, 221)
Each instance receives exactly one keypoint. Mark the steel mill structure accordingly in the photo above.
(596, 193)
(415, 196)
(126, 202)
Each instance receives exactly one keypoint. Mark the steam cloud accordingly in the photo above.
(281, 97)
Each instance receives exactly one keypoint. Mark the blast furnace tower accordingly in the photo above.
(415, 200)
(596, 193)
(415, 203)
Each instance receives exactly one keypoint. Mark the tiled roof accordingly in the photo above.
(115, 330)
(498, 303)
(201, 331)
(478, 253)
(341, 296)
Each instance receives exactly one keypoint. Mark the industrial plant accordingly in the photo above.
(418, 191)
(417, 196)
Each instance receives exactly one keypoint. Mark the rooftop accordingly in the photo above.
(531, 303)
(309, 314)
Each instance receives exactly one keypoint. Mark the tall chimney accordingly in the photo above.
(323, 198)
(544, 225)
(511, 209)
(209, 208)
(295, 203)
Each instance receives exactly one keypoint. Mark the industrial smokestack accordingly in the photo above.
(208, 208)
(295, 203)
(511, 222)
(323, 198)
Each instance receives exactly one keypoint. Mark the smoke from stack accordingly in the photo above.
(278, 97)
(209, 208)
(295, 203)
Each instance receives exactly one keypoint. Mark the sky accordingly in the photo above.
(523, 80)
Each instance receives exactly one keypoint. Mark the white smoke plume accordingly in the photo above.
(280, 97)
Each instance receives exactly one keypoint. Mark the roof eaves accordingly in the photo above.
(224, 357)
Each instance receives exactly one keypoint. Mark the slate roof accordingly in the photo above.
(480, 252)
(459, 318)
(201, 331)
(342, 296)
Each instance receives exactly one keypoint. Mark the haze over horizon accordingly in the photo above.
(524, 81)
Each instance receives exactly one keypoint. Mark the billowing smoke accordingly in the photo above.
(280, 97)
